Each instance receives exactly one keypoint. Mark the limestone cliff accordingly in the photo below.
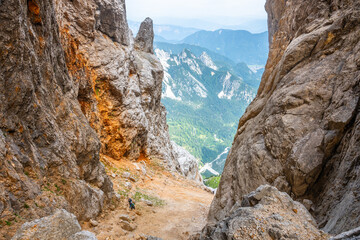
(49, 154)
(75, 86)
(301, 133)
(119, 85)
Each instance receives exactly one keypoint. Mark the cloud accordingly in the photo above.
(196, 9)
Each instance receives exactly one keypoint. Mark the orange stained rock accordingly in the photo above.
(143, 157)
(330, 37)
(34, 10)
(97, 104)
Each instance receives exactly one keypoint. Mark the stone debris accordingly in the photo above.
(267, 214)
(83, 235)
(132, 178)
(94, 223)
(126, 175)
(149, 203)
(125, 217)
(60, 225)
(127, 226)
(128, 185)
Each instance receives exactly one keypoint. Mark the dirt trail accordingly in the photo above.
(180, 209)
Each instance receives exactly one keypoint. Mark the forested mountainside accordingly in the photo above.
(200, 90)
(238, 45)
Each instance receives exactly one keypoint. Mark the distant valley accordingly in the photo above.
(210, 77)
(205, 92)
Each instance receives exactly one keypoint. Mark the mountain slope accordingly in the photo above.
(238, 45)
(200, 92)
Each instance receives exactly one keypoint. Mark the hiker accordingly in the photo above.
(131, 204)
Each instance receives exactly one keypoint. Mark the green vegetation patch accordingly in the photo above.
(213, 182)
(138, 196)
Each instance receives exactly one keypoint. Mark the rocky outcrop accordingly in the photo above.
(265, 214)
(301, 133)
(119, 84)
(189, 166)
(74, 89)
(49, 154)
(145, 37)
(60, 225)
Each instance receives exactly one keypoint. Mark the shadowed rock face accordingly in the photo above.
(301, 133)
(46, 143)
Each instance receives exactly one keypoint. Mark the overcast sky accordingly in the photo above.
(223, 12)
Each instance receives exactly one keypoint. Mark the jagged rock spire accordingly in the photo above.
(145, 37)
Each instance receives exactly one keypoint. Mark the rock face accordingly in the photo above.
(301, 133)
(119, 85)
(353, 234)
(145, 37)
(46, 143)
(60, 225)
(73, 89)
(188, 164)
(265, 214)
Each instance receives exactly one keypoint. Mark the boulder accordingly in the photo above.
(125, 217)
(94, 223)
(60, 225)
(128, 226)
(271, 214)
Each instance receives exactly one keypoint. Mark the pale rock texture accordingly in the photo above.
(119, 85)
(265, 214)
(188, 164)
(301, 132)
(60, 225)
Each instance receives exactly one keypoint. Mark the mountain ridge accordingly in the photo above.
(238, 45)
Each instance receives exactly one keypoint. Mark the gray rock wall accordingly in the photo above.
(46, 143)
(300, 133)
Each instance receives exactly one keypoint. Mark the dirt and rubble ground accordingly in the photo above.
(180, 206)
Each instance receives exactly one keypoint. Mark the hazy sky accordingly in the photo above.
(222, 12)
